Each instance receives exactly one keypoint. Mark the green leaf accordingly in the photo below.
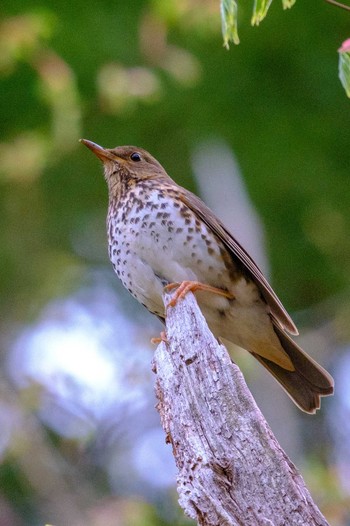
(287, 4)
(259, 11)
(228, 10)
(344, 66)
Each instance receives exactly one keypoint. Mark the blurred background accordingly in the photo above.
(261, 132)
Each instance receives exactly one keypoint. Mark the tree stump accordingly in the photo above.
(231, 469)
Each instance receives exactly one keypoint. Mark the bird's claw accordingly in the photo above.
(192, 286)
(161, 338)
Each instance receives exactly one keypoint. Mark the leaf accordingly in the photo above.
(228, 10)
(259, 11)
(344, 65)
(287, 4)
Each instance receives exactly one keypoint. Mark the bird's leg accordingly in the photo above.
(162, 338)
(187, 286)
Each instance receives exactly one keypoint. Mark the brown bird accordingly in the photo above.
(160, 233)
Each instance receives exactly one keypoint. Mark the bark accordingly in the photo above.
(231, 469)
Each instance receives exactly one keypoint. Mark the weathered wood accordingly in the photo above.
(231, 469)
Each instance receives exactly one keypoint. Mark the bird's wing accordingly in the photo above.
(279, 313)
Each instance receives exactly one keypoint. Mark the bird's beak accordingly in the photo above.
(101, 153)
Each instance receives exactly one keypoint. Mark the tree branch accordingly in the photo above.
(231, 469)
(338, 4)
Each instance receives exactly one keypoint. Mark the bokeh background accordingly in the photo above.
(262, 133)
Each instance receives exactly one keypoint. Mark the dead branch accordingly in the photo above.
(231, 469)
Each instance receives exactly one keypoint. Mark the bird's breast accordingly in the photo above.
(155, 239)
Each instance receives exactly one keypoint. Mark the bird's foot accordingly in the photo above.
(193, 286)
(162, 338)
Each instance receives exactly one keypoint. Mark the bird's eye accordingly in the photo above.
(135, 157)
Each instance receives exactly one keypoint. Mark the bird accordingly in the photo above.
(162, 235)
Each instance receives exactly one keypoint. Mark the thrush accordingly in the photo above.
(160, 234)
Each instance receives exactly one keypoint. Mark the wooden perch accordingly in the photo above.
(231, 469)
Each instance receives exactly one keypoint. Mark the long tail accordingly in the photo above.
(307, 383)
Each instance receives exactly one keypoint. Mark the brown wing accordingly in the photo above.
(280, 315)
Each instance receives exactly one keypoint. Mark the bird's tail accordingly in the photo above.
(307, 383)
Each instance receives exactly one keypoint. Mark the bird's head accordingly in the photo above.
(128, 162)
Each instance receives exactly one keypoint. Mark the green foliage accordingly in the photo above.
(260, 11)
(344, 66)
(229, 17)
(287, 4)
(229, 22)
